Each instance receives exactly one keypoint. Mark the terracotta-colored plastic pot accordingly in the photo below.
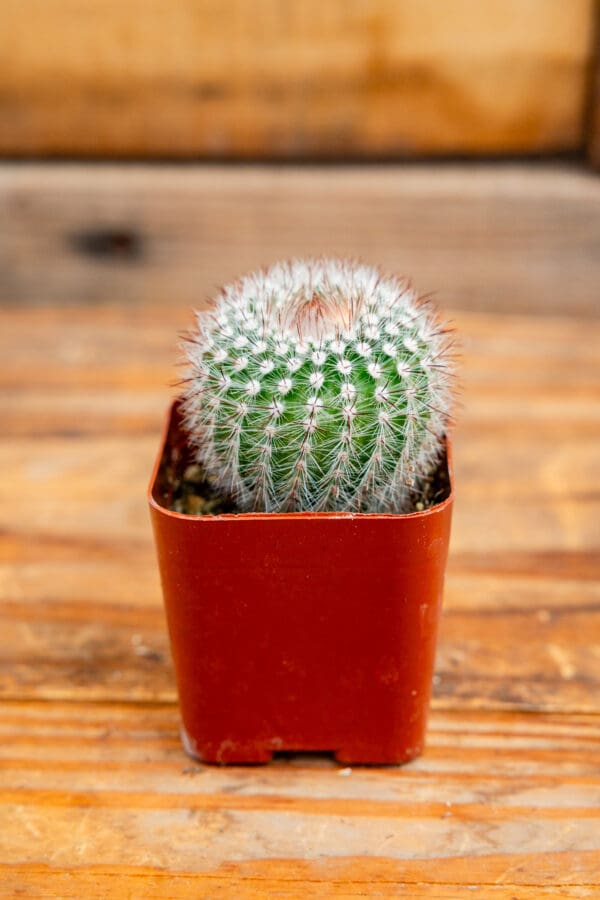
(300, 631)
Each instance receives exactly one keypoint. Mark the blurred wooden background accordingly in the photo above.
(515, 238)
(152, 80)
(153, 149)
(205, 78)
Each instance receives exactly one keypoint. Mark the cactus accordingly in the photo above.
(318, 384)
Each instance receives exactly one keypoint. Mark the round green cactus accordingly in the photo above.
(318, 385)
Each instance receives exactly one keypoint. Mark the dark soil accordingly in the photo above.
(194, 495)
(433, 489)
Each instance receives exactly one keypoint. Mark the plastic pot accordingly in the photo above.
(300, 631)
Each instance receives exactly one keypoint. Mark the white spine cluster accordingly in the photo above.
(318, 385)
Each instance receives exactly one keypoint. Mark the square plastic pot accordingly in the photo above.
(300, 631)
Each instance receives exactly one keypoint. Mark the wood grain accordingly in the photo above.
(81, 615)
(199, 78)
(97, 798)
(593, 101)
(361, 882)
(503, 819)
(494, 237)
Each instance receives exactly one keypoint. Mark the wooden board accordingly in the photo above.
(97, 798)
(89, 383)
(593, 104)
(507, 237)
(245, 79)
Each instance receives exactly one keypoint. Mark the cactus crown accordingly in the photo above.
(318, 385)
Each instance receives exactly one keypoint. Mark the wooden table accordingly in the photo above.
(98, 798)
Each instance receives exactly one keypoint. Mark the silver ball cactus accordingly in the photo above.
(318, 385)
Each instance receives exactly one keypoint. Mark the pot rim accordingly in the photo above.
(287, 516)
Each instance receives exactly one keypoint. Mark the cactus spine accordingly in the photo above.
(318, 385)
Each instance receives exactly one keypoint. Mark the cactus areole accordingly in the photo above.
(303, 616)
(318, 385)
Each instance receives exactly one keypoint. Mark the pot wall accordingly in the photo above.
(301, 631)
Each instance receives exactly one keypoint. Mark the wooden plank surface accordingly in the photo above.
(593, 103)
(505, 805)
(240, 78)
(97, 535)
(507, 237)
(96, 796)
